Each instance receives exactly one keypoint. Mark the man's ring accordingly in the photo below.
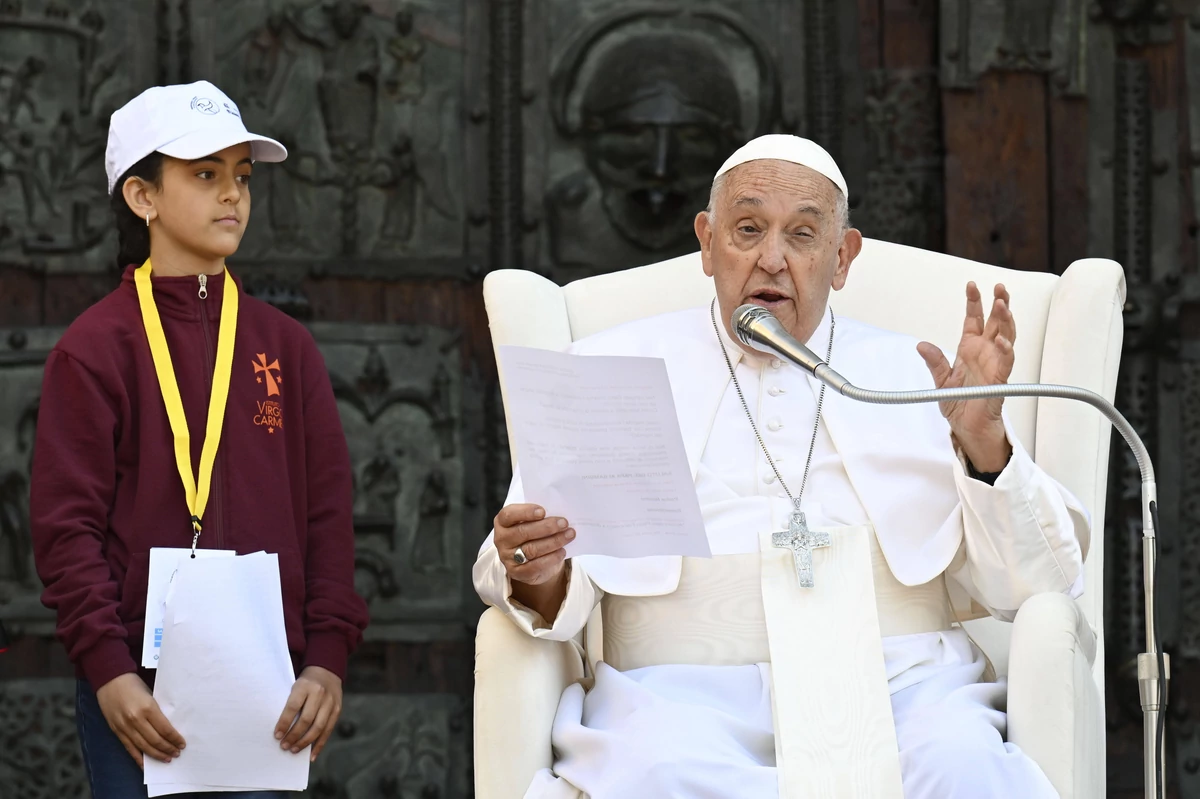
(519, 556)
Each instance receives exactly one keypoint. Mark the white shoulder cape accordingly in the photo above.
(899, 458)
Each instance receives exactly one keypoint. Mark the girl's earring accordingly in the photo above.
(147, 219)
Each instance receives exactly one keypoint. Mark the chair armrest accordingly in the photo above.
(518, 682)
(1055, 711)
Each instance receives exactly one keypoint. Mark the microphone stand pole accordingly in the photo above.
(1153, 665)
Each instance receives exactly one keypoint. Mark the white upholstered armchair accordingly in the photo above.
(1069, 331)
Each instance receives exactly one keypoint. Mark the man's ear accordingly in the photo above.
(852, 242)
(704, 234)
(137, 194)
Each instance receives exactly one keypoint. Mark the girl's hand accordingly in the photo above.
(131, 712)
(311, 711)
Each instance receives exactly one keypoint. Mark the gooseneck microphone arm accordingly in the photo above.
(758, 329)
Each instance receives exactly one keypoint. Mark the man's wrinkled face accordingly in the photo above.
(774, 238)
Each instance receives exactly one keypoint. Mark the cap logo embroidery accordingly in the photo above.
(232, 109)
(204, 105)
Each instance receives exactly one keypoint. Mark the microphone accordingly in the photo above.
(758, 329)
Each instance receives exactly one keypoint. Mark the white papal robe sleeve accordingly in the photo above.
(495, 588)
(1025, 535)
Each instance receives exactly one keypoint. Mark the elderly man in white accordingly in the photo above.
(949, 503)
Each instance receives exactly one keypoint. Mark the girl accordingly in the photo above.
(179, 361)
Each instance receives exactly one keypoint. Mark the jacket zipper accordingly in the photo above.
(213, 511)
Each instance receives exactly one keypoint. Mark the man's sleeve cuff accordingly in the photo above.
(495, 588)
(1017, 468)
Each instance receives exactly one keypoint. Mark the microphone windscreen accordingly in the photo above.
(743, 319)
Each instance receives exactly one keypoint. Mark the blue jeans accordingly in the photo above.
(112, 773)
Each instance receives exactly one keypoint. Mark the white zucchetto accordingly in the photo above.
(785, 147)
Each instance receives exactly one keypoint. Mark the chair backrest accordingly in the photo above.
(1069, 331)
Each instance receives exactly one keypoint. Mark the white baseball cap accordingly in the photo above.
(785, 147)
(183, 121)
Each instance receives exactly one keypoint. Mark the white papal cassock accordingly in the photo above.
(707, 731)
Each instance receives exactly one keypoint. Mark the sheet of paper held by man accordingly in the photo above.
(598, 443)
(224, 675)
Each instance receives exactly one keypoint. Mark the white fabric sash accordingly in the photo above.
(716, 617)
(835, 736)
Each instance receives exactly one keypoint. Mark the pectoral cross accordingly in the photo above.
(801, 541)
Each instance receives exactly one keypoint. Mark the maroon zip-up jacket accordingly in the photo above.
(105, 487)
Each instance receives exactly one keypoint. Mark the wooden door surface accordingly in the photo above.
(433, 141)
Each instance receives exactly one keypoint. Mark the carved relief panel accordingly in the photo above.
(413, 422)
(388, 745)
(369, 99)
(64, 68)
(901, 200)
(1137, 216)
(630, 109)
(22, 355)
(1017, 35)
(39, 748)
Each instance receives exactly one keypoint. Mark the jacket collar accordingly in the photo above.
(179, 297)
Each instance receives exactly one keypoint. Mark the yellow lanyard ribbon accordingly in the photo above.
(197, 493)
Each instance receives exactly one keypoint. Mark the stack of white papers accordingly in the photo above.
(224, 676)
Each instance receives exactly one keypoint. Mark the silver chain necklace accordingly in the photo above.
(712, 309)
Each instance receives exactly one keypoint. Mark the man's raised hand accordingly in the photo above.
(985, 357)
